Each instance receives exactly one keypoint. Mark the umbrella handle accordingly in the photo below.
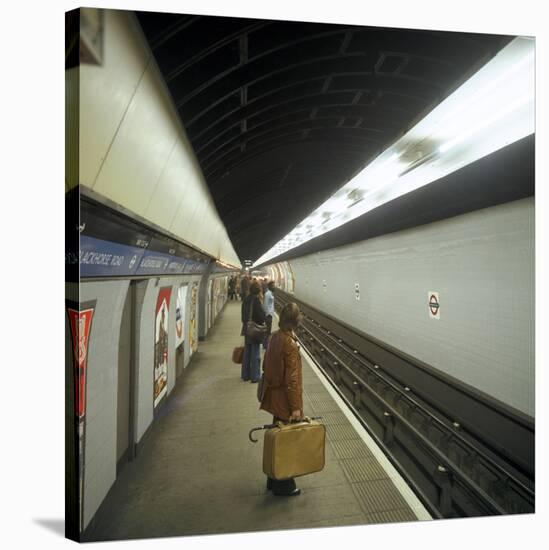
(265, 427)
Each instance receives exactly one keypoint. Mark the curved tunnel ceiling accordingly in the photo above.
(281, 114)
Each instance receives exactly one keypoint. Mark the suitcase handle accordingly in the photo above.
(269, 426)
(304, 419)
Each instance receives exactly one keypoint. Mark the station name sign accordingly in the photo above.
(100, 258)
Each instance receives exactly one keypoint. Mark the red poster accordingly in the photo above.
(80, 323)
(161, 344)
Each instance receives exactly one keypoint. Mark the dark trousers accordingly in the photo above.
(251, 369)
(281, 486)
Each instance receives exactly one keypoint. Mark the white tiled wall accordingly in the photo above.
(102, 379)
(146, 304)
(133, 149)
(102, 384)
(482, 265)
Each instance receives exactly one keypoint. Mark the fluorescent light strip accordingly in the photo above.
(500, 95)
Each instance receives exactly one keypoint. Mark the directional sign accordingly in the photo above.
(434, 305)
(357, 291)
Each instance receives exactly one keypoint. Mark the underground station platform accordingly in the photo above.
(198, 473)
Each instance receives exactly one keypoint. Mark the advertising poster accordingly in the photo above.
(181, 302)
(80, 327)
(161, 344)
(210, 305)
(222, 294)
(193, 321)
(80, 323)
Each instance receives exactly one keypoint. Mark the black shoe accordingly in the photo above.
(254, 381)
(293, 493)
(245, 379)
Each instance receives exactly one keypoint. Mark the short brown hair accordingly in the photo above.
(290, 317)
(255, 288)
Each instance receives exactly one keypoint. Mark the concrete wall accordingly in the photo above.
(102, 387)
(482, 265)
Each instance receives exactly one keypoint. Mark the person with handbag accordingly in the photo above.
(268, 306)
(253, 330)
(282, 383)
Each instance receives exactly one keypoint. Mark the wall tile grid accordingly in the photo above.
(102, 382)
(146, 303)
(132, 147)
(482, 265)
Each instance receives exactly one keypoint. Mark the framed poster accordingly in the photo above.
(181, 302)
(193, 320)
(160, 383)
(80, 322)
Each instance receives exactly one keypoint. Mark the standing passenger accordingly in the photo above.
(282, 384)
(244, 287)
(232, 285)
(251, 358)
(268, 306)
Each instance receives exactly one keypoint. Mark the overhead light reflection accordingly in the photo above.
(500, 96)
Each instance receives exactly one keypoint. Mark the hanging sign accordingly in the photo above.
(434, 305)
(357, 291)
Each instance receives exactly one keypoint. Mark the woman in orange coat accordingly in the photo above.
(282, 392)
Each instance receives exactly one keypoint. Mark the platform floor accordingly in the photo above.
(198, 473)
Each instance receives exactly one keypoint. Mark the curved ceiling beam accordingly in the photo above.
(255, 149)
(348, 151)
(239, 186)
(275, 105)
(172, 30)
(278, 130)
(177, 70)
(247, 226)
(288, 103)
(262, 195)
(276, 49)
(285, 45)
(378, 81)
(313, 61)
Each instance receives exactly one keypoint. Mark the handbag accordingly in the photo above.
(238, 355)
(253, 330)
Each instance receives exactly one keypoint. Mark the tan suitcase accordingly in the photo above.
(293, 450)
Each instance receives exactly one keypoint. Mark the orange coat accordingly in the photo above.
(283, 384)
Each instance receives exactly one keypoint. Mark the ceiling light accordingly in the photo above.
(494, 108)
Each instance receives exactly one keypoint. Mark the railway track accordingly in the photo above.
(458, 465)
